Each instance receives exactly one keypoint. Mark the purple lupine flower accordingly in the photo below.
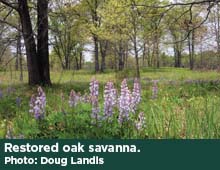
(94, 88)
(95, 110)
(1, 94)
(110, 95)
(136, 95)
(38, 104)
(32, 103)
(155, 89)
(140, 123)
(41, 97)
(18, 101)
(85, 98)
(94, 93)
(124, 102)
(73, 98)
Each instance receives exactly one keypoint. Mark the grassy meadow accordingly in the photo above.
(187, 106)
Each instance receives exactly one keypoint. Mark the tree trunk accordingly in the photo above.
(96, 44)
(177, 55)
(179, 58)
(190, 52)
(148, 58)
(42, 42)
(126, 56)
(77, 62)
(136, 58)
(66, 62)
(144, 55)
(80, 59)
(103, 50)
(191, 49)
(19, 54)
(120, 59)
(17, 60)
(115, 62)
(30, 46)
(157, 51)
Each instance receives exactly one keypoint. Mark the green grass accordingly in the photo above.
(182, 110)
(163, 74)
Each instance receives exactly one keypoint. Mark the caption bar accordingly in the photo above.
(66, 160)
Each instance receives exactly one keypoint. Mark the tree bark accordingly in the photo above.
(120, 57)
(191, 47)
(103, 50)
(157, 50)
(77, 62)
(144, 54)
(30, 46)
(37, 57)
(42, 42)
(96, 53)
(80, 59)
(177, 55)
(19, 54)
(136, 58)
(17, 60)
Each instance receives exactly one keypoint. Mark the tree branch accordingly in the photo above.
(11, 5)
(180, 4)
(10, 24)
